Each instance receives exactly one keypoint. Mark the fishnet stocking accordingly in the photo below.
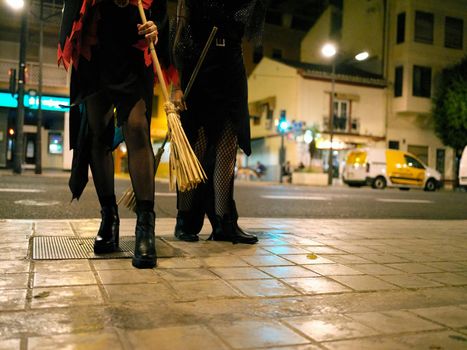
(223, 177)
(186, 200)
(140, 154)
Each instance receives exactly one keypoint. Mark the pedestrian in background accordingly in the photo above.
(216, 120)
(112, 74)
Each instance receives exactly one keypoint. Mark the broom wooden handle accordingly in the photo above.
(155, 60)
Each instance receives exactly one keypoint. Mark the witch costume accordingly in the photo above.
(111, 72)
(216, 120)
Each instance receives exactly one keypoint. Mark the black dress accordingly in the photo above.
(220, 91)
(101, 41)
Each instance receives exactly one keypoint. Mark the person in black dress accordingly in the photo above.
(112, 76)
(216, 119)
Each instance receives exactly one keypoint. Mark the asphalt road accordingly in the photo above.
(47, 197)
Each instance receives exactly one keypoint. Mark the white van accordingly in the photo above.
(387, 167)
(463, 169)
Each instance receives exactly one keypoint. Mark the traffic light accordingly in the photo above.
(12, 84)
(283, 125)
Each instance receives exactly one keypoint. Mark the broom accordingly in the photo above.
(177, 173)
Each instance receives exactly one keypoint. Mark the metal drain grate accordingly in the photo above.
(65, 247)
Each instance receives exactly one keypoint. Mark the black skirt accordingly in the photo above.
(218, 94)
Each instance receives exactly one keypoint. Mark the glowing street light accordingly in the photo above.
(329, 50)
(362, 56)
(15, 4)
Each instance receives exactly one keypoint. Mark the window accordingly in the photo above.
(400, 28)
(398, 79)
(55, 143)
(440, 159)
(421, 81)
(341, 115)
(393, 144)
(424, 27)
(277, 53)
(413, 163)
(453, 32)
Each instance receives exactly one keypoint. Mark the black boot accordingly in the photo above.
(188, 225)
(145, 245)
(107, 237)
(227, 229)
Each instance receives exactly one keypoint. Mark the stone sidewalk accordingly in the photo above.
(308, 284)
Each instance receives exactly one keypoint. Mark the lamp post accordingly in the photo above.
(330, 51)
(18, 159)
(282, 126)
(38, 169)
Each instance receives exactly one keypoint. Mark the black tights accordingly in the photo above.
(218, 159)
(138, 142)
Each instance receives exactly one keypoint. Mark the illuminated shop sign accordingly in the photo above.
(49, 103)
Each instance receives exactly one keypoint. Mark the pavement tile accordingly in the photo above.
(418, 257)
(375, 343)
(333, 269)
(49, 279)
(449, 340)
(239, 273)
(286, 249)
(396, 321)
(14, 280)
(347, 259)
(66, 296)
(14, 266)
(114, 264)
(449, 278)
(88, 341)
(355, 249)
(136, 292)
(414, 268)
(298, 347)
(175, 338)
(316, 285)
(329, 327)
(451, 316)
(223, 261)
(10, 344)
(125, 276)
(376, 269)
(263, 288)
(12, 299)
(192, 290)
(266, 260)
(12, 253)
(382, 258)
(288, 271)
(62, 265)
(324, 250)
(410, 281)
(448, 266)
(304, 259)
(251, 334)
(186, 274)
(363, 283)
(243, 249)
(178, 263)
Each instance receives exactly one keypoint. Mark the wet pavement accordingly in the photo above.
(309, 284)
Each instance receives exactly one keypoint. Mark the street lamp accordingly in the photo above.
(18, 159)
(329, 50)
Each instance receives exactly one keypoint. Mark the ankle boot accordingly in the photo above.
(107, 238)
(227, 229)
(145, 245)
(188, 225)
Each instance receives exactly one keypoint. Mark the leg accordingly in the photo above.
(100, 114)
(226, 227)
(141, 165)
(190, 215)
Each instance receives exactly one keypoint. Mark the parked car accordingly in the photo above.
(463, 169)
(382, 168)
